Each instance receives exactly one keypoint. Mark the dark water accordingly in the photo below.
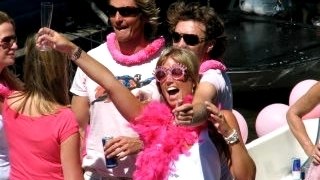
(250, 103)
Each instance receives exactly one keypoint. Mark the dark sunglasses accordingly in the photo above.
(8, 41)
(189, 39)
(177, 72)
(123, 11)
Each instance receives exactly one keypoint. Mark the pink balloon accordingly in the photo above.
(271, 118)
(298, 91)
(242, 124)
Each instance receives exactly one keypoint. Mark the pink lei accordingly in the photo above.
(212, 64)
(143, 56)
(163, 142)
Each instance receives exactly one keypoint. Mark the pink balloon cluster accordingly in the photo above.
(273, 116)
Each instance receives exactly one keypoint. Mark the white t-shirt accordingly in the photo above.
(105, 120)
(4, 159)
(202, 162)
(223, 85)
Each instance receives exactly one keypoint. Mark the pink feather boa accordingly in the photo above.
(163, 141)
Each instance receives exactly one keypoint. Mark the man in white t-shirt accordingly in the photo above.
(131, 53)
(200, 29)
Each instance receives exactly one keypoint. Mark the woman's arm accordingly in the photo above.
(243, 166)
(70, 158)
(127, 104)
(294, 117)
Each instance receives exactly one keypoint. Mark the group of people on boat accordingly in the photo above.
(166, 102)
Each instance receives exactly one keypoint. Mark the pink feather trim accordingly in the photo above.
(163, 141)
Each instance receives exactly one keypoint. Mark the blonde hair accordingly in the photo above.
(150, 15)
(185, 57)
(46, 79)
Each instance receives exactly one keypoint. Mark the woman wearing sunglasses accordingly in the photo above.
(199, 29)
(8, 47)
(130, 52)
(170, 151)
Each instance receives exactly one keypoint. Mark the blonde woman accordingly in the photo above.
(42, 131)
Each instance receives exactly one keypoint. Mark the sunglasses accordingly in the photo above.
(123, 11)
(177, 72)
(189, 39)
(8, 41)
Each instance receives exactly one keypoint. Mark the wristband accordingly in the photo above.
(76, 55)
(232, 138)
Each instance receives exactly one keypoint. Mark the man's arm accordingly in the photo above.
(80, 106)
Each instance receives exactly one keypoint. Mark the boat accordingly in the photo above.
(273, 152)
(267, 53)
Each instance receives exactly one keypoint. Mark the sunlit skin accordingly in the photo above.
(7, 55)
(184, 86)
(197, 28)
(129, 30)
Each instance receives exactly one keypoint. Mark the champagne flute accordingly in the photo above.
(46, 17)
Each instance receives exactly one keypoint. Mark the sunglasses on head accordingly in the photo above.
(7, 42)
(177, 72)
(123, 11)
(189, 39)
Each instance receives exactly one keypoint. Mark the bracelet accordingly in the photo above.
(76, 55)
(232, 138)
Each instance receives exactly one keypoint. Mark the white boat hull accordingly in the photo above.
(273, 152)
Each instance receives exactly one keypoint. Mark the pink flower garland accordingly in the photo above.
(163, 142)
(212, 64)
(140, 57)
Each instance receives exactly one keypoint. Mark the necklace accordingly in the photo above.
(143, 56)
